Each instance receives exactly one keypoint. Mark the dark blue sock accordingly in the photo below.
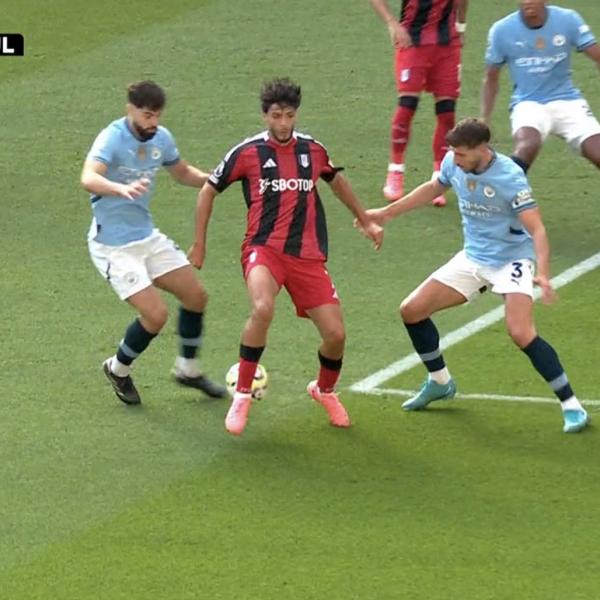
(136, 340)
(545, 360)
(426, 341)
(189, 328)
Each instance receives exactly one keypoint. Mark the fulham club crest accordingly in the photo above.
(304, 160)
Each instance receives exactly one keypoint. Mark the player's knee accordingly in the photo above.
(409, 312)
(263, 310)
(521, 335)
(156, 317)
(199, 300)
(336, 336)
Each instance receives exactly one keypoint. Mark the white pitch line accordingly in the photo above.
(534, 399)
(458, 335)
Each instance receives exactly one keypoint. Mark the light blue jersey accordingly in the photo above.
(118, 221)
(489, 204)
(539, 60)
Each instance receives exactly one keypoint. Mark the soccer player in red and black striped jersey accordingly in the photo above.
(285, 242)
(428, 39)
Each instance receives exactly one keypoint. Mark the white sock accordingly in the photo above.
(118, 368)
(397, 168)
(442, 376)
(187, 366)
(571, 404)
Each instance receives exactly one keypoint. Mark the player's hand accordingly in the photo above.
(196, 255)
(549, 296)
(399, 36)
(135, 189)
(372, 230)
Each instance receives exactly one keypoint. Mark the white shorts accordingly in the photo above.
(571, 120)
(472, 279)
(133, 267)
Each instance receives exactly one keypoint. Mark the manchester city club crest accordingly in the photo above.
(304, 160)
(471, 185)
(489, 191)
(156, 153)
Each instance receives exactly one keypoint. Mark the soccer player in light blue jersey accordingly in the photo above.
(536, 43)
(127, 249)
(503, 236)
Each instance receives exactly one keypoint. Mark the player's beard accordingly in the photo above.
(280, 140)
(144, 134)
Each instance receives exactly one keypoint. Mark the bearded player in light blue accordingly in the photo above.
(126, 248)
(536, 43)
(503, 236)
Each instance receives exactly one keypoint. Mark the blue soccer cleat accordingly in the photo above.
(429, 392)
(575, 420)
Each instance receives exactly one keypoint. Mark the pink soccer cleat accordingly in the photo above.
(331, 403)
(394, 186)
(237, 415)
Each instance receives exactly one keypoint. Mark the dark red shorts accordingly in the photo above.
(307, 281)
(434, 69)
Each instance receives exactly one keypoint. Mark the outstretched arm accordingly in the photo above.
(420, 196)
(341, 187)
(204, 205)
(186, 174)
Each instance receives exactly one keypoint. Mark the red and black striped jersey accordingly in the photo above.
(279, 182)
(430, 21)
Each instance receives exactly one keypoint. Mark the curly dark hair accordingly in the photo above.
(282, 91)
(146, 94)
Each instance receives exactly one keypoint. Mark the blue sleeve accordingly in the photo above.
(582, 36)
(521, 194)
(171, 153)
(104, 146)
(447, 169)
(494, 55)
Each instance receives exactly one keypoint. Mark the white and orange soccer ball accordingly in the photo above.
(259, 385)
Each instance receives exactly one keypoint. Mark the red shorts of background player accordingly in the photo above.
(431, 68)
(307, 281)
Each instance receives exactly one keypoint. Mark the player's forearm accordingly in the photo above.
(542, 251)
(489, 91)
(383, 10)
(341, 187)
(461, 10)
(98, 184)
(420, 196)
(204, 205)
(192, 177)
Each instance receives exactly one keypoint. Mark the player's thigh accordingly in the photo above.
(574, 121)
(123, 267)
(518, 312)
(329, 321)
(151, 307)
(183, 283)
(164, 256)
(428, 298)
(531, 115)
(263, 274)
(443, 77)
(515, 277)
(412, 65)
(309, 285)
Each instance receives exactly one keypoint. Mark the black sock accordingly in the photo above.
(189, 328)
(426, 341)
(546, 363)
(136, 340)
(524, 165)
